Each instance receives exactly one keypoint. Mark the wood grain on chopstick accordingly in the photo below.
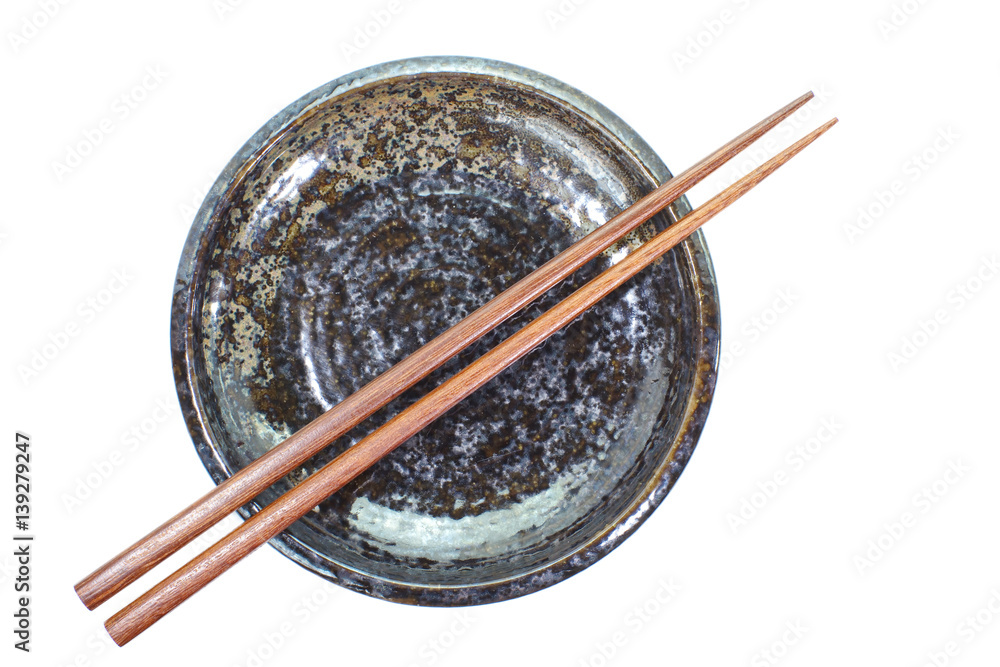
(249, 482)
(161, 599)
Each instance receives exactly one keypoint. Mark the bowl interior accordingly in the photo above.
(368, 225)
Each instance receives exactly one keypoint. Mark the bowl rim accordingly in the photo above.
(184, 347)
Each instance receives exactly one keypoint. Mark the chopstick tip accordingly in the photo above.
(795, 105)
(828, 124)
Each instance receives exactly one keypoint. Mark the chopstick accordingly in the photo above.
(250, 481)
(283, 512)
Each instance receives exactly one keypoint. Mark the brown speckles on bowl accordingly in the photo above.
(364, 220)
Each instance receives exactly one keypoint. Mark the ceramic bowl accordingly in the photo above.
(365, 219)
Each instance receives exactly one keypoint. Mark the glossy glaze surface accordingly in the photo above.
(366, 219)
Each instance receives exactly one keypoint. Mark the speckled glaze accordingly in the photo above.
(365, 219)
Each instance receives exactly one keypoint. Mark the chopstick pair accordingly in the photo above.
(260, 474)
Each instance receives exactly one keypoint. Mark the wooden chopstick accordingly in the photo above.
(249, 482)
(283, 512)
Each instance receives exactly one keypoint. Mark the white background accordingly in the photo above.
(827, 553)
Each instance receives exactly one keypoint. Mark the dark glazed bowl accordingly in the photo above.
(365, 219)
